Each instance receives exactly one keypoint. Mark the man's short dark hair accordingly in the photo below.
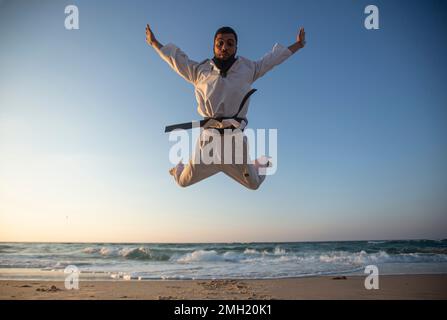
(225, 30)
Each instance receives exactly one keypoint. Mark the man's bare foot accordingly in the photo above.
(177, 170)
(263, 162)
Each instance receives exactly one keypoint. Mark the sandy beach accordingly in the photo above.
(325, 287)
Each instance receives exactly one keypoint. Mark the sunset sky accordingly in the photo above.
(361, 118)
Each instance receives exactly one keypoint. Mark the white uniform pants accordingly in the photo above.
(208, 147)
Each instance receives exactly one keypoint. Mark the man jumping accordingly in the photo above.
(222, 89)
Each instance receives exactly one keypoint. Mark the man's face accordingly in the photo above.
(225, 45)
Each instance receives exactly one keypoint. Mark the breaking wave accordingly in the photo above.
(214, 260)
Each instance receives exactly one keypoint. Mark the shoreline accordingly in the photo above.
(421, 286)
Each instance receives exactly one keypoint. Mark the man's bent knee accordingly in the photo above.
(183, 183)
(253, 186)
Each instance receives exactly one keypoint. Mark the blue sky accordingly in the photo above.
(361, 118)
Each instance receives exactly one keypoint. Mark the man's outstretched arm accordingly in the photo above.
(175, 57)
(151, 40)
(300, 41)
(277, 56)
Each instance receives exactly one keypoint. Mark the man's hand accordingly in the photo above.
(300, 41)
(150, 38)
(301, 37)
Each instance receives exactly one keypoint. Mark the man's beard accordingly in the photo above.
(224, 64)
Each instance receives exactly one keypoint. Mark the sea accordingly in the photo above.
(164, 261)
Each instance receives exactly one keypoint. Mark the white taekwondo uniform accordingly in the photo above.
(217, 97)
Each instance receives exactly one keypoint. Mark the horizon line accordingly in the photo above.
(223, 242)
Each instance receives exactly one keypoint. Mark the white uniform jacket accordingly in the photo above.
(218, 96)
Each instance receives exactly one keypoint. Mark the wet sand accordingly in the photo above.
(325, 287)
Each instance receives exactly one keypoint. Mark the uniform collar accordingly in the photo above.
(223, 65)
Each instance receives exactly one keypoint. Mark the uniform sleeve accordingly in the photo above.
(179, 62)
(277, 56)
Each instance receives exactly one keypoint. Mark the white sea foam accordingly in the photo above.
(103, 251)
(279, 251)
(201, 255)
(251, 251)
(200, 261)
(136, 253)
(90, 250)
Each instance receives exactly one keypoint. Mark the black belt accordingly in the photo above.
(202, 123)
